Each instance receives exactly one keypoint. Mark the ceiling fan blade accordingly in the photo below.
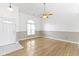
(50, 14)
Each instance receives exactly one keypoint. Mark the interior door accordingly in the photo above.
(7, 31)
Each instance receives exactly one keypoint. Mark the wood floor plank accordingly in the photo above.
(46, 47)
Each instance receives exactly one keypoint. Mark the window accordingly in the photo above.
(30, 27)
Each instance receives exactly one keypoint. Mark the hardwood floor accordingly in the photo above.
(46, 47)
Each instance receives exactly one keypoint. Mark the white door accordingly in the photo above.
(7, 31)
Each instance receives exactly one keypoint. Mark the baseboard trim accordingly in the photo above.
(49, 38)
(61, 40)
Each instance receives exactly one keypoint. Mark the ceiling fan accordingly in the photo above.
(45, 13)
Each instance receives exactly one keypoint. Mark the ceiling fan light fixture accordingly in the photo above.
(45, 16)
(10, 7)
(45, 13)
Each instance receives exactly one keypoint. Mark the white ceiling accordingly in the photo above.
(30, 8)
(36, 9)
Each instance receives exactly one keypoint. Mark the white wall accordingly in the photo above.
(23, 18)
(8, 22)
(4, 12)
(65, 18)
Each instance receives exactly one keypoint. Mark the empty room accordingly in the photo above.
(39, 29)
